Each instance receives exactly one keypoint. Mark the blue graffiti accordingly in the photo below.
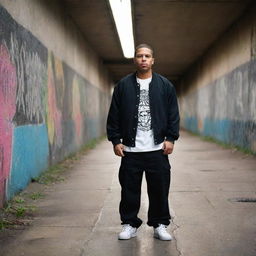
(233, 132)
(29, 157)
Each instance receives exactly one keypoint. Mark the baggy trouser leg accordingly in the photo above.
(158, 184)
(130, 178)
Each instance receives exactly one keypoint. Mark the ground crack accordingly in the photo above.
(90, 238)
(175, 230)
(86, 243)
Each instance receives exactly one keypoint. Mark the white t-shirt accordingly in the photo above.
(144, 140)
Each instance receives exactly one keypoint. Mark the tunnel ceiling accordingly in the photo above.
(179, 31)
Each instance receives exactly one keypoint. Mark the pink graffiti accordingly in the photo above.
(8, 86)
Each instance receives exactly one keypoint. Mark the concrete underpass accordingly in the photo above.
(59, 62)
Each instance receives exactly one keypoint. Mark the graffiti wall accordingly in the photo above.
(47, 110)
(225, 109)
(218, 94)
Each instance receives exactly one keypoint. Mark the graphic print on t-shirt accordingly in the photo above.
(144, 118)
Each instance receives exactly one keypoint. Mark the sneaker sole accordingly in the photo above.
(157, 237)
(133, 235)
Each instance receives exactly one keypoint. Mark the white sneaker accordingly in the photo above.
(161, 233)
(128, 232)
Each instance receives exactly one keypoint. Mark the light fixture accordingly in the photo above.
(122, 14)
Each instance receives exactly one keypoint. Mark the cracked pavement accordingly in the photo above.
(79, 217)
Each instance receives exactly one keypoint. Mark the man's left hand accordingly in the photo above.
(168, 147)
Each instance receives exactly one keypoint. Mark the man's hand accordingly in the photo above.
(168, 147)
(118, 149)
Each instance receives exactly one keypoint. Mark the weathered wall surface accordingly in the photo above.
(218, 95)
(50, 103)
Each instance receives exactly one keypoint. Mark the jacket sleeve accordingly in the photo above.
(173, 116)
(113, 120)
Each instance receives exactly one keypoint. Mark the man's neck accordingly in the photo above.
(144, 75)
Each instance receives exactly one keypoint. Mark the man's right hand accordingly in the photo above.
(118, 149)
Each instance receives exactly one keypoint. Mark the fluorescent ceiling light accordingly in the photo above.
(122, 14)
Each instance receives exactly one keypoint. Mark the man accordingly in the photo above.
(142, 124)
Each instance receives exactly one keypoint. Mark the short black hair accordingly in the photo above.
(143, 46)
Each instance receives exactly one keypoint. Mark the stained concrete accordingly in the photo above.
(47, 19)
(206, 178)
(183, 30)
(217, 94)
(80, 215)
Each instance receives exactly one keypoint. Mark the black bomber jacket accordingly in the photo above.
(122, 118)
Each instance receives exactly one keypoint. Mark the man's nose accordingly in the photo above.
(143, 57)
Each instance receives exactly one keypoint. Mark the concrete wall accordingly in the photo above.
(218, 94)
(54, 91)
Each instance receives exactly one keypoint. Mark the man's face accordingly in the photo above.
(143, 60)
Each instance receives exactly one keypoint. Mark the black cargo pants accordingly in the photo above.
(157, 170)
